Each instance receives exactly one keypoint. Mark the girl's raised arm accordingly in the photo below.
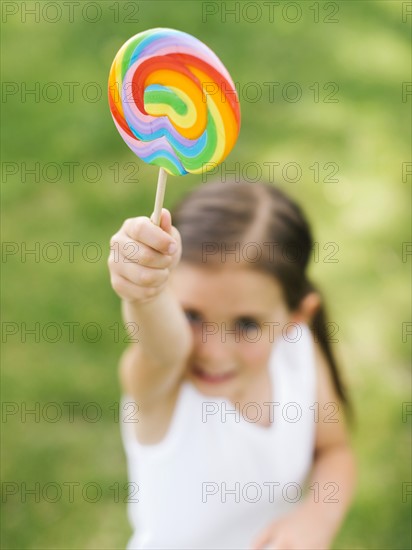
(141, 258)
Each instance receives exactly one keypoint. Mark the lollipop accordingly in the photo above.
(174, 104)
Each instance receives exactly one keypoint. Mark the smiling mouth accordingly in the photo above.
(212, 378)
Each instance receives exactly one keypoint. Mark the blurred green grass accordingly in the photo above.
(366, 134)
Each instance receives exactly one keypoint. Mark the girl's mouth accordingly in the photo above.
(200, 374)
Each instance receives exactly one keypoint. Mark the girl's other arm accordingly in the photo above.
(333, 475)
(318, 518)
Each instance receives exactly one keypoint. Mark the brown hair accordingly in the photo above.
(226, 215)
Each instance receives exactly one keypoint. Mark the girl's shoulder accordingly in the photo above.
(156, 428)
(150, 425)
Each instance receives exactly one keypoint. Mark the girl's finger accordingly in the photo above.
(165, 220)
(144, 276)
(145, 231)
(127, 290)
(128, 251)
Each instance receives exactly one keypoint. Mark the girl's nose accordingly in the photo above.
(214, 347)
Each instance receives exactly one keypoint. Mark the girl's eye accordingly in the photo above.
(192, 316)
(247, 322)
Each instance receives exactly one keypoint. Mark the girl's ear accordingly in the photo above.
(307, 308)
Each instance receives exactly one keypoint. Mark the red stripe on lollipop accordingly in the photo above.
(158, 63)
(223, 84)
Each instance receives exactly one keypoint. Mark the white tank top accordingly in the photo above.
(218, 478)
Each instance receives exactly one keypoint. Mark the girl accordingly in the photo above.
(239, 402)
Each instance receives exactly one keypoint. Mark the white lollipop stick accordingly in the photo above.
(160, 193)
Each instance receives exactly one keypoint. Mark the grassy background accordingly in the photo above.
(366, 133)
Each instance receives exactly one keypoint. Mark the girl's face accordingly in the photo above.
(235, 314)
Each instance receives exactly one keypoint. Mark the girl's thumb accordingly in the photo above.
(165, 220)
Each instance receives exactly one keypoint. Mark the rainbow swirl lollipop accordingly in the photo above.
(173, 102)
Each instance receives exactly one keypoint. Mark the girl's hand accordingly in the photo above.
(141, 259)
(295, 531)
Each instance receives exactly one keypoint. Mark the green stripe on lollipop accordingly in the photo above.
(194, 163)
(130, 49)
(165, 97)
(166, 164)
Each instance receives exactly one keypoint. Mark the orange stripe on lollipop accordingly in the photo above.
(227, 88)
(169, 73)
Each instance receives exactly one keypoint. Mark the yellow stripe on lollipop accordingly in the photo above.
(173, 79)
(183, 121)
(219, 152)
(225, 120)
